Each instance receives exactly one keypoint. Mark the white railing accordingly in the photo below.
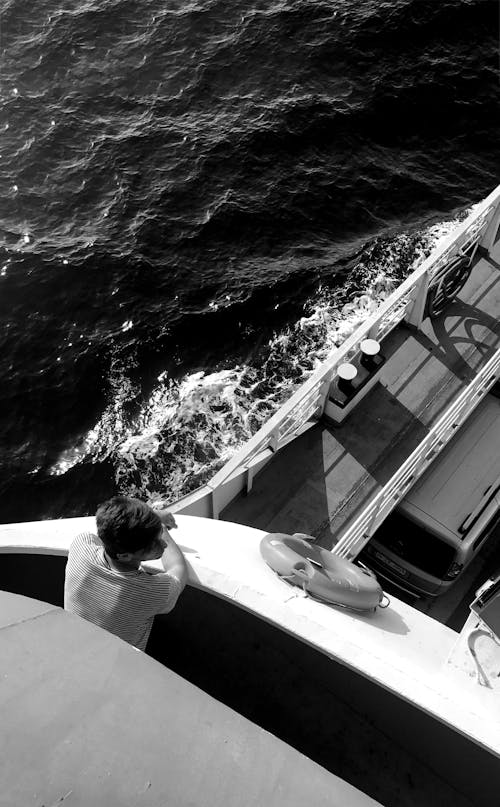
(477, 225)
(360, 532)
(407, 303)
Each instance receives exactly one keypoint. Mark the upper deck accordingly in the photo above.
(318, 483)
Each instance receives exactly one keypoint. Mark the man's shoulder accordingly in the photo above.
(154, 578)
(158, 581)
(87, 538)
(161, 590)
(84, 542)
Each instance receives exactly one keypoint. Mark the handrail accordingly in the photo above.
(360, 532)
(313, 392)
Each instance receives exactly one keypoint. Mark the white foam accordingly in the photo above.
(187, 429)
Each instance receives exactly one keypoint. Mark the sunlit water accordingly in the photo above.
(199, 201)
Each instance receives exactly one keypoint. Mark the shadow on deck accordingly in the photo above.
(318, 482)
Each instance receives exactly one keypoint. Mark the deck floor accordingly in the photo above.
(318, 482)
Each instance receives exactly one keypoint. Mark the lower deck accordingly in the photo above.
(318, 483)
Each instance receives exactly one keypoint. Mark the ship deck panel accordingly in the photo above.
(318, 482)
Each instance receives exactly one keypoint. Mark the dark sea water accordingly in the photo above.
(198, 200)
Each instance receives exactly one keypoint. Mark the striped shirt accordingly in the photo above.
(124, 603)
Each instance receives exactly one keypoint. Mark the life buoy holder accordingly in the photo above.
(321, 574)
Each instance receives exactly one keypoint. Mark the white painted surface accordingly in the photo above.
(399, 648)
(339, 413)
(370, 347)
(483, 672)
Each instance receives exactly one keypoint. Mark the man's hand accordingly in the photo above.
(167, 519)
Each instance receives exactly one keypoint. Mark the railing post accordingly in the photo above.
(215, 504)
(323, 393)
(488, 239)
(274, 439)
(415, 312)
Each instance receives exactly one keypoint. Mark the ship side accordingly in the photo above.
(391, 700)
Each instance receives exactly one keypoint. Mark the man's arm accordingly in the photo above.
(173, 560)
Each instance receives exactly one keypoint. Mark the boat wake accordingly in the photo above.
(189, 427)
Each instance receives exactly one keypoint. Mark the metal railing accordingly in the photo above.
(360, 532)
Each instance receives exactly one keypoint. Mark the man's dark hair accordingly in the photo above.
(126, 525)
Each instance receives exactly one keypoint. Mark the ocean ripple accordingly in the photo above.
(187, 186)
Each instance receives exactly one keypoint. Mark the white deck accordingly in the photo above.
(400, 649)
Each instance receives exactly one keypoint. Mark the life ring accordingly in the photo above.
(321, 574)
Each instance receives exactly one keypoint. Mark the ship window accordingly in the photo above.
(477, 543)
(415, 545)
(487, 530)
